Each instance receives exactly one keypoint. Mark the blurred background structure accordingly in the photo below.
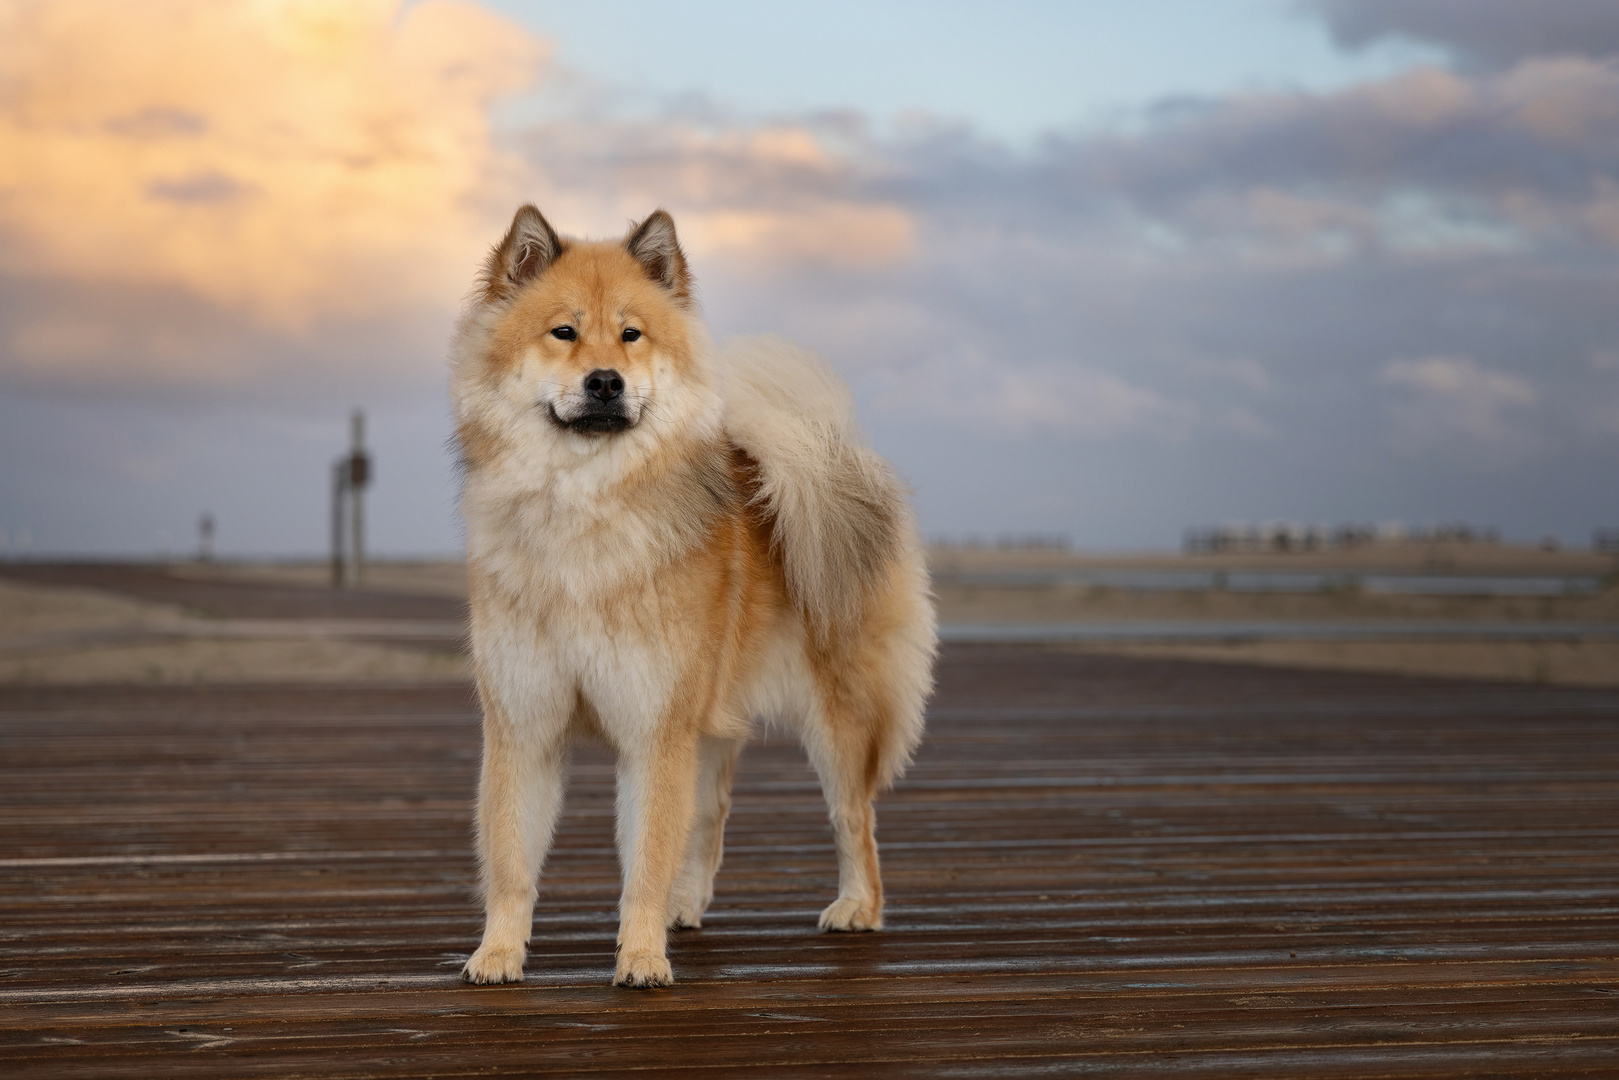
(351, 474)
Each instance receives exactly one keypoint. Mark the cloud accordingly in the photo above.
(1453, 402)
(1242, 370)
(1496, 33)
(1426, 163)
(772, 196)
(290, 162)
(1017, 401)
(838, 234)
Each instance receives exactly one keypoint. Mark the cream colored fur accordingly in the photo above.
(839, 510)
(734, 554)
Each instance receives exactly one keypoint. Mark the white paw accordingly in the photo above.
(494, 964)
(852, 913)
(645, 971)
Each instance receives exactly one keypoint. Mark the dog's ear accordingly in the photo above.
(654, 246)
(530, 246)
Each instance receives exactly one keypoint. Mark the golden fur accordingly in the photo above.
(666, 543)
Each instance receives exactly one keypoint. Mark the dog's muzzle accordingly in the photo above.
(603, 410)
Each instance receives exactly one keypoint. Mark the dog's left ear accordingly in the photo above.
(654, 246)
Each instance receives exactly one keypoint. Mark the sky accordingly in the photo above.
(1098, 269)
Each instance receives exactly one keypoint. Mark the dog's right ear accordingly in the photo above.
(530, 246)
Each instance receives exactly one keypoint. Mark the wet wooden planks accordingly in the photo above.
(1096, 866)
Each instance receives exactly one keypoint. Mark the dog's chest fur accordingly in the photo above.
(568, 547)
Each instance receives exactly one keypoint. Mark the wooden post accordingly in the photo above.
(359, 477)
(340, 483)
(205, 538)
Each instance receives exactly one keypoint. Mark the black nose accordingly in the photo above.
(604, 384)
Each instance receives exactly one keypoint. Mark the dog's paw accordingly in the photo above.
(494, 964)
(645, 971)
(852, 913)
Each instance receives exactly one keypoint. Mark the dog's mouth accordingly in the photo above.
(596, 419)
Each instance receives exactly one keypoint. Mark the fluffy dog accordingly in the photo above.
(666, 542)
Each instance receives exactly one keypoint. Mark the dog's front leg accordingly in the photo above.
(656, 785)
(520, 789)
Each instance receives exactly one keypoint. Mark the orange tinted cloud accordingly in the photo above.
(782, 195)
(288, 160)
(839, 234)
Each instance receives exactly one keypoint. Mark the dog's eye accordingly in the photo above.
(564, 333)
(631, 333)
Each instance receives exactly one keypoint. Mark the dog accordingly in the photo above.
(667, 542)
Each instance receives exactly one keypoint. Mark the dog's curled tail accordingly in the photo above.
(841, 520)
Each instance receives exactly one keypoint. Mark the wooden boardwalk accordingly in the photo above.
(1096, 867)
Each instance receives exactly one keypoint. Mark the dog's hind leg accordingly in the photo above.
(694, 886)
(846, 752)
(656, 789)
(520, 788)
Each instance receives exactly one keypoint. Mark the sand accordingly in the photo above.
(438, 578)
(35, 613)
(73, 636)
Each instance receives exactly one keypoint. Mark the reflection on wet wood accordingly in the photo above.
(1097, 865)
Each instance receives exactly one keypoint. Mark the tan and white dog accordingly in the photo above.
(665, 543)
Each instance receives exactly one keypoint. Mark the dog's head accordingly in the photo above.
(577, 345)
